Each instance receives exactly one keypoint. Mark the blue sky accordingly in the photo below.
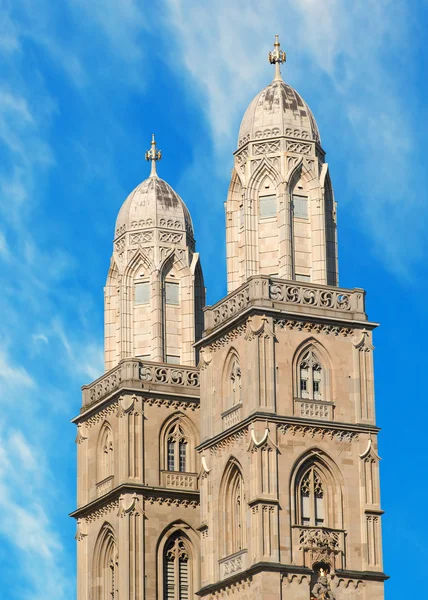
(82, 87)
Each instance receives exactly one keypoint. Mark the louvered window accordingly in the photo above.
(177, 569)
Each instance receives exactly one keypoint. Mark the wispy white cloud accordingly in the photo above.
(222, 48)
(11, 374)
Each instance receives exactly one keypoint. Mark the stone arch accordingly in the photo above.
(105, 565)
(333, 487)
(233, 509)
(105, 452)
(178, 531)
(328, 383)
(178, 426)
(231, 380)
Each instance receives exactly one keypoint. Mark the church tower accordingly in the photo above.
(290, 504)
(230, 451)
(137, 497)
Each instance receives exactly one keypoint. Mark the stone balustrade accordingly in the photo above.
(290, 296)
(105, 486)
(231, 417)
(177, 480)
(313, 409)
(233, 564)
(141, 374)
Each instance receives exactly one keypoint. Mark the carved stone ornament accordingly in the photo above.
(128, 505)
(235, 588)
(263, 330)
(322, 589)
(133, 406)
(81, 433)
(103, 511)
(370, 453)
(224, 340)
(265, 441)
(103, 414)
(341, 435)
(225, 443)
(81, 530)
(309, 327)
(172, 501)
(363, 344)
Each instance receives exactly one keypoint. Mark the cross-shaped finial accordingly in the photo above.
(154, 155)
(277, 57)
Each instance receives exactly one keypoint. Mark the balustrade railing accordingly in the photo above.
(313, 409)
(177, 480)
(134, 370)
(291, 295)
(231, 417)
(233, 564)
(105, 485)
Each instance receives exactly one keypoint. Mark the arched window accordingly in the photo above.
(177, 448)
(234, 513)
(311, 492)
(311, 377)
(106, 564)
(235, 382)
(105, 453)
(177, 569)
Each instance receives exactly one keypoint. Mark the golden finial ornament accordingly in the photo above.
(153, 155)
(277, 57)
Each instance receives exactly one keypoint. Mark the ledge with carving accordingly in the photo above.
(179, 480)
(319, 544)
(235, 563)
(293, 297)
(313, 409)
(148, 495)
(142, 375)
(293, 426)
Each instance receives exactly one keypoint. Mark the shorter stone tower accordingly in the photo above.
(154, 292)
(138, 428)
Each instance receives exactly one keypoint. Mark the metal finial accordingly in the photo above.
(277, 57)
(153, 155)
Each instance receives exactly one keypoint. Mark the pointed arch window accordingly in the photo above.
(235, 382)
(177, 569)
(105, 453)
(312, 498)
(234, 513)
(106, 563)
(177, 449)
(311, 377)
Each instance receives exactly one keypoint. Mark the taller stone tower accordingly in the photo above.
(290, 504)
(231, 451)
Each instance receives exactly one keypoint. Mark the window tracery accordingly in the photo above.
(311, 379)
(105, 453)
(177, 569)
(177, 448)
(312, 499)
(234, 513)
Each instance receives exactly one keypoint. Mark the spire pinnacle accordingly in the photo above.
(277, 57)
(153, 155)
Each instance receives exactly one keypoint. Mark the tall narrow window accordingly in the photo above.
(311, 377)
(177, 569)
(312, 499)
(176, 446)
(235, 526)
(235, 382)
(105, 458)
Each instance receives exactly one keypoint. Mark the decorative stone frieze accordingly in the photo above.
(225, 443)
(326, 432)
(103, 511)
(168, 501)
(310, 327)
